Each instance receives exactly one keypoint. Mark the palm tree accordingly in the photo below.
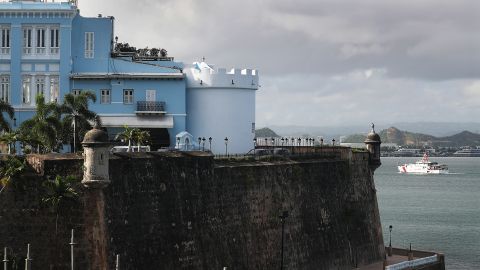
(141, 137)
(9, 138)
(5, 108)
(59, 191)
(44, 126)
(78, 116)
(128, 135)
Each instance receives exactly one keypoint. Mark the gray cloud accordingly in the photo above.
(312, 54)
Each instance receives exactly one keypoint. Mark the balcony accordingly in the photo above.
(150, 107)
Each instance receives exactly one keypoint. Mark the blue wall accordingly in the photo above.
(72, 61)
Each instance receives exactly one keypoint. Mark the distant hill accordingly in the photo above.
(394, 135)
(437, 129)
(265, 132)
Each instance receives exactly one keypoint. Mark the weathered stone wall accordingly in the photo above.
(178, 211)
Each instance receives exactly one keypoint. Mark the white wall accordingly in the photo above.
(220, 113)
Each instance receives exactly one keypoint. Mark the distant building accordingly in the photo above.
(49, 48)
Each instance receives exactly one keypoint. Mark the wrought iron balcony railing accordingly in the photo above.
(145, 107)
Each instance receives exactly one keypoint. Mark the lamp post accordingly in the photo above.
(333, 142)
(390, 242)
(321, 142)
(5, 259)
(203, 144)
(14, 121)
(254, 146)
(199, 142)
(210, 143)
(72, 258)
(282, 218)
(226, 146)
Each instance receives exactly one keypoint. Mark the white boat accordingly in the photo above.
(424, 166)
(467, 153)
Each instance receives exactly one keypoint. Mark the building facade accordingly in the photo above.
(49, 48)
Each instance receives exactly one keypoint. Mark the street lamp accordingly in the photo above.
(199, 142)
(203, 144)
(282, 218)
(226, 146)
(210, 142)
(14, 121)
(333, 142)
(321, 142)
(254, 146)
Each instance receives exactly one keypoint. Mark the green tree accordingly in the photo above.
(11, 168)
(59, 191)
(78, 117)
(9, 138)
(44, 126)
(8, 109)
(141, 137)
(128, 135)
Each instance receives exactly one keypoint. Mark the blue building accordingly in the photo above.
(49, 48)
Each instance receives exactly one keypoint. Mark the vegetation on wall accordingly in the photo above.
(10, 169)
(58, 192)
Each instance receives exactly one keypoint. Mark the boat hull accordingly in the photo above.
(412, 170)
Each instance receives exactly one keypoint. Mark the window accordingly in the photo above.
(128, 96)
(27, 40)
(54, 41)
(26, 90)
(5, 40)
(40, 85)
(76, 92)
(89, 44)
(40, 40)
(54, 88)
(5, 88)
(105, 96)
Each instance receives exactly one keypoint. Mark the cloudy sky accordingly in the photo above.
(324, 62)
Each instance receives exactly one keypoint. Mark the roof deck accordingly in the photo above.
(37, 5)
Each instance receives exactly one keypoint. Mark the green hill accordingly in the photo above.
(394, 135)
(265, 132)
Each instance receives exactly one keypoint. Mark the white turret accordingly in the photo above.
(221, 104)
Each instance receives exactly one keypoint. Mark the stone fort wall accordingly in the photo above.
(189, 211)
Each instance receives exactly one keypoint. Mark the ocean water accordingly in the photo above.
(433, 212)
